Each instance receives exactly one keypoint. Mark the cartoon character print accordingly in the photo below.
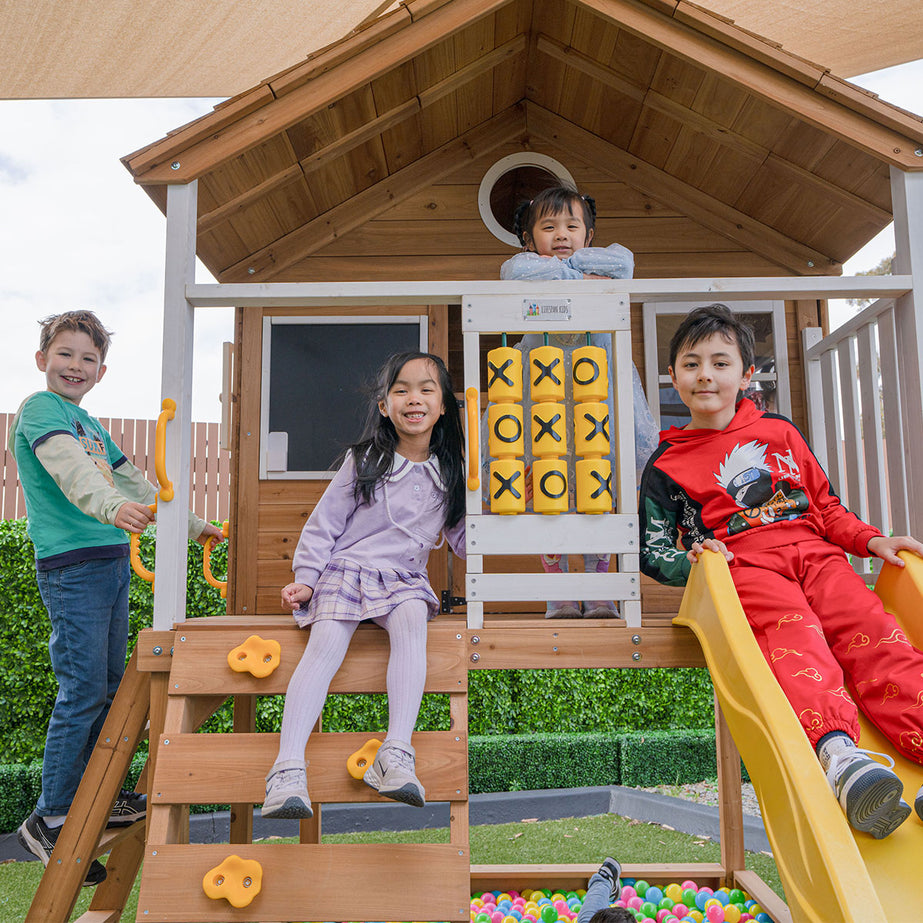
(94, 446)
(748, 478)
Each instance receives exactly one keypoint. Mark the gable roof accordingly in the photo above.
(752, 142)
(114, 48)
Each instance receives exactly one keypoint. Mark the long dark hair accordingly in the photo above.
(552, 201)
(374, 452)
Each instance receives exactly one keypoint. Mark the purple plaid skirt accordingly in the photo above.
(351, 593)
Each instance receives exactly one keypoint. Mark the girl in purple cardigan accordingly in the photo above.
(362, 555)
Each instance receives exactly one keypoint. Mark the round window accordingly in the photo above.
(512, 180)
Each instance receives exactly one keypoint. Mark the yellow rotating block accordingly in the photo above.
(549, 430)
(236, 880)
(594, 485)
(358, 762)
(549, 485)
(507, 486)
(590, 371)
(504, 374)
(546, 373)
(504, 430)
(591, 429)
(256, 655)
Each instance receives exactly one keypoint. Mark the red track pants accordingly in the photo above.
(830, 643)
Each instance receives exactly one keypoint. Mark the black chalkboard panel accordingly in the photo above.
(320, 375)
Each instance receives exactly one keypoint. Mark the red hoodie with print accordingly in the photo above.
(753, 485)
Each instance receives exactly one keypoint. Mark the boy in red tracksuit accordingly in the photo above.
(745, 483)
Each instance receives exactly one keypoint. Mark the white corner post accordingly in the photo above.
(907, 207)
(176, 383)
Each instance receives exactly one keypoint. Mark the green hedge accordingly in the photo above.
(27, 683)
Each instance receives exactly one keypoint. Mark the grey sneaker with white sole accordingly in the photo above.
(287, 791)
(393, 774)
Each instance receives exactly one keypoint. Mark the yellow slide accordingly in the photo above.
(830, 873)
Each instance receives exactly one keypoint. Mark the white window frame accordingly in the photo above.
(653, 379)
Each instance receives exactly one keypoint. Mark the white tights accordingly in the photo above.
(326, 648)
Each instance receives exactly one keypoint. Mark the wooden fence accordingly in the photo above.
(211, 467)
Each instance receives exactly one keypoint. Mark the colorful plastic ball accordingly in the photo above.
(549, 914)
(666, 903)
(482, 917)
(722, 895)
(634, 903)
(703, 896)
(732, 914)
(497, 916)
(689, 896)
(653, 894)
(715, 913)
(688, 883)
(680, 910)
(737, 896)
(628, 892)
(649, 909)
(641, 887)
(673, 891)
(509, 918)
(763, 918)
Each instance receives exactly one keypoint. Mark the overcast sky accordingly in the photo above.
(77, 233)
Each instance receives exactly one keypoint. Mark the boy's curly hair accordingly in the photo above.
(84, 321)
(613, 915)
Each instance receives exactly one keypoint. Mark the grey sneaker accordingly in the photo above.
(611, 870)
(39, 839)
(918, 803)
(287, 791)
(393, 775)
(562, 610)
(600, 609)
(868, 792)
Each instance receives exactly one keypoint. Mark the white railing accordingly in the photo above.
(855, 421)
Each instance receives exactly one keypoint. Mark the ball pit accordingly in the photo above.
(677, 902)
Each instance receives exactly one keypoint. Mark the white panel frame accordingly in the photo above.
(566, 532)
(176, 383)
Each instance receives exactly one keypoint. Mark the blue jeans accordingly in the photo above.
(598, 892)
(88, 607)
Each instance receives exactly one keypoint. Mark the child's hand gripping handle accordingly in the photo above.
(474, 450)
(134, 551)
(221, 585)
(160, 449)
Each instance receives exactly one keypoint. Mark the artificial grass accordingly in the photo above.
(581, 839)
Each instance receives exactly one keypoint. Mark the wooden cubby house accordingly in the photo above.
(346, 191)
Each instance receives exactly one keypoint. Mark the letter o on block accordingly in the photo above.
(590, 371)
(594, 485)
(504, 430)
(549, 486)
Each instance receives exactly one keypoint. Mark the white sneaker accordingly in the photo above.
(392, 774)
(868, 792)
(287, 791)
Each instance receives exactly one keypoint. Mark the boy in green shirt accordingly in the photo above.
(82, 494)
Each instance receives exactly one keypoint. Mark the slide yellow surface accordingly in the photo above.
(830, 874)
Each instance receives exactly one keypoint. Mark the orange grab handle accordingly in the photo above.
(222, 585)
(134, 546)
(160, 449)
(474, 451)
